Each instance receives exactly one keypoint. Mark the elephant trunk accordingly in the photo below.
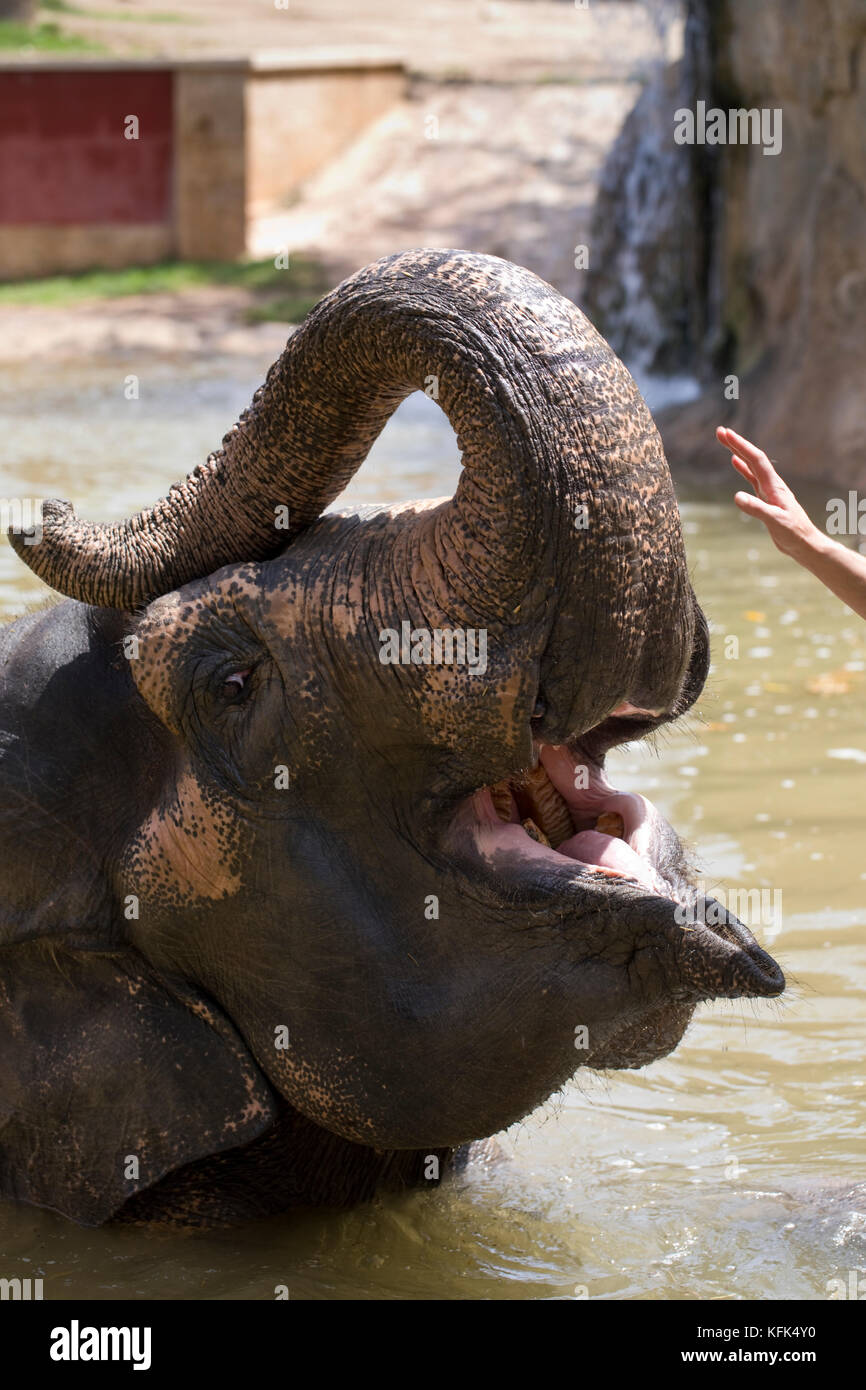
(492, 343)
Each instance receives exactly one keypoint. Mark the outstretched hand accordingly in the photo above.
(842, 570)
(774, 503)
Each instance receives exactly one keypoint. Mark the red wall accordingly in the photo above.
(63, 155)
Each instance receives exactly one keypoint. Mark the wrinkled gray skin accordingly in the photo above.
(241, 824)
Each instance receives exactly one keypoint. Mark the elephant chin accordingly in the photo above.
(655, 1036)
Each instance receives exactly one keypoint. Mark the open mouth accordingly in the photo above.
(564, 809)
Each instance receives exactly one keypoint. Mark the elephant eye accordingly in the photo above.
(235, 686)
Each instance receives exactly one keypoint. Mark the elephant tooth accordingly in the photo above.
(502, 800)
(537, 797)
(611, 823)
(534, 833)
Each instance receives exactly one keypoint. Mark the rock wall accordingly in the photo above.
(721, 259)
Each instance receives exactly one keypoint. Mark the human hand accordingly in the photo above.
(789, 525)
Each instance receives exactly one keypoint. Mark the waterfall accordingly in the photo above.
(651, 286)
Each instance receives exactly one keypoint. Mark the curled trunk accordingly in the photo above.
(546, 417)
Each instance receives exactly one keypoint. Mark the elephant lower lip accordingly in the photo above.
(568, 802)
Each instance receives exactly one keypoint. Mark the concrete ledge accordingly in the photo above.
(27, 252)
(299, 119)
(311, 60)
(324, 60)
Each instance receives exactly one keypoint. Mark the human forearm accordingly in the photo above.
(842, 570)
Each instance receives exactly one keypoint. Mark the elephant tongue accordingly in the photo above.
(608, 852)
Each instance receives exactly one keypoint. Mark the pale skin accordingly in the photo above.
(843, 571)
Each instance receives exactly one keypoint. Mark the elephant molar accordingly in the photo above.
(535, 834)
(611, 823)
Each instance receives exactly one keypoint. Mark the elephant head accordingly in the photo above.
(345, 799)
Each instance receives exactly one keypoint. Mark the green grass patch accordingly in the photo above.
(276, 295)
(45, 38)
(290, 308)
(134, 16)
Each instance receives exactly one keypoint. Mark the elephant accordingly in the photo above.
(291, 914)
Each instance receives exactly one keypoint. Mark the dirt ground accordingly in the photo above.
(523, 40)
(208, 321)
(510, 169)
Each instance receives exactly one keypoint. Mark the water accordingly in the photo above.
(733, 1168)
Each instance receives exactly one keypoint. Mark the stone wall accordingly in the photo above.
(219, 142)
(298, 117)
(770, 249)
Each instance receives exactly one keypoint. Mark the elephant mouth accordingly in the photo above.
(562, 813)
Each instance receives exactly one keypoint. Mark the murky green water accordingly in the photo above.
(732, 1169)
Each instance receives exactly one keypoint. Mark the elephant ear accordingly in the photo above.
(110, 1078)
(79, 761)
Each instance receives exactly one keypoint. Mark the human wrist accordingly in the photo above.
(817, 548)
